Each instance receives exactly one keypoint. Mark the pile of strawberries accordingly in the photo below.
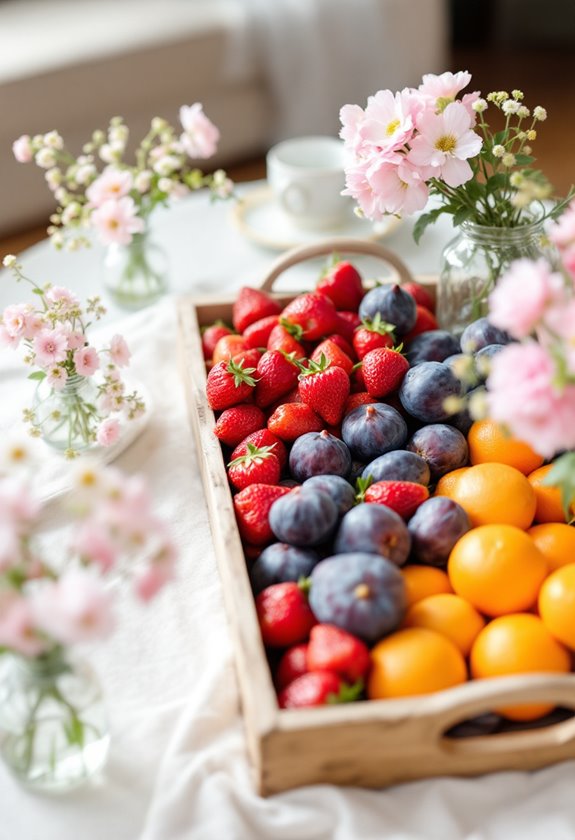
(278, 374)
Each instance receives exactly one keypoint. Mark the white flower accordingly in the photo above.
(53, 140)
(45, 158)
(516, 179)
(532, 134)
(510, 107)
(165, 185)
(540, 113)
(523, 112)
(508, 159)
(118, 134)
(53, 177)
(107, 153)
(72, 211)
(85, 173)
(479, 106)
(143, 181)
(61, 195)
(167, 164)
(9, 261)
(498, 151)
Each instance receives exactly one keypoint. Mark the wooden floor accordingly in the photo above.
(546, 77)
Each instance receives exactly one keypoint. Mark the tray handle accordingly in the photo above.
(341, 245)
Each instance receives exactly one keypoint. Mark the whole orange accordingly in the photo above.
(448, 614)
(422, 581)
(488, 441)
(557, 604)
(556, 541)
(548, 498)
(518, 644)
(448, 481)
(495, 494)
(414, 661)
(497, 568)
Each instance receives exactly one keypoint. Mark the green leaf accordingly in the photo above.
(425, 220)
(38, 375)
(75, 731)
(39, 292)
(524, 160)
(562, 475)
(462, 215)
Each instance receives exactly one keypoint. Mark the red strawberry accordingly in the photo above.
(292, 665)
(251, 305)
(229, 383)
(425, 321)
(291, 420)
(284, 615)
(343, 344)
(325, 388)
(314, 313)
(347, 323)
(234, 424)
(354, 400)
(342, 284)
(258, 466)
(404, 497)
(372, 334)
(228, 346)
(357, 380)
(249, 358)
(263, 437)
(276, 374)
(258, 333)
(252, 507)
(334, 355)
(383, 371)
(332, 649)
(210, 337)
(420, 294)
(317, 688)
(286, 337)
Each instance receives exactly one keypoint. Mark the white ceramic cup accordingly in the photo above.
(307, 176)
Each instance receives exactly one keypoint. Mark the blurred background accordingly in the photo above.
(263, 71)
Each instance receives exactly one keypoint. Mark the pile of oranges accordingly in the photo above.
(506, 602)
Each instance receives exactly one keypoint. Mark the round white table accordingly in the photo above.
(178, 767)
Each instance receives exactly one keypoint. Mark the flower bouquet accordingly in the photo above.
(427, 142)
(81, 397)
(53, 729)
(100, 191)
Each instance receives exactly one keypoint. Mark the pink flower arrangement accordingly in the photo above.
(115, 200)
(406, 146)
(56, 346)
(45, 605)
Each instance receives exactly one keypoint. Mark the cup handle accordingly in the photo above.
(295, 199)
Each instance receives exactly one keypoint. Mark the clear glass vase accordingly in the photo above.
(136, 275)
(472, 263)
(53, 727)
(67, 419)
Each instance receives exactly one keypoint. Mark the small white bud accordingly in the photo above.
(539, 113)
(53, 140)
(479, 106)
(45, 158)
(9, 261)
(498, 151)
(508, 159)
(143, 180)
(510, 106)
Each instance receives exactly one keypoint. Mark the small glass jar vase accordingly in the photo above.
(67, 419)
(136, 275)
(472, 263)
(53, 727)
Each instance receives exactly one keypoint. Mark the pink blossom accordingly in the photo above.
(119, 351)
(14, 319)
(9, 546)
(86, 361)
(562, 233)
(18, 507)
(34, 323)
(111, 184)
(76, 340)
(108, 432)
(521, 296)
(7, 340)
(358, 186)
(22, 149)
(351, 117)
(387, 123)
(151, 581)
(401, 187)
(445, 142)
(521, 395)
(200, 137)
(74, 608)
(64, 298)
(94, 545)
(17, 628)
(50, 347)
(116, 221)
(57, 377)
(445, 87)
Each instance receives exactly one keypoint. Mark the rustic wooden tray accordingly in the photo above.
(371, 743)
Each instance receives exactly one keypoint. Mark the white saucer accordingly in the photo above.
(259, 218)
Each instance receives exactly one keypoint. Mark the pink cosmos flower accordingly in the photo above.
(400, 186)
(86, 360)
(119, 351)
(7, 340)
(75, 608)
(387, 123)
(18, 507)
(446, 86)
(521, 296)
(94, 545)
(116, 221)
(562, 233)
(445, 142)
(521, 395)
(22, 149)
(200, 137)
(50, 347)
(17, 628)
(64, 298)
(149, 583)
(57, 377)
(351, 118)
(14, 319)
(75, 340)
(111, 184)
(108, 432)
(358, 186)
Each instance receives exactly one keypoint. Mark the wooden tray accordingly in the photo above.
(371, 743)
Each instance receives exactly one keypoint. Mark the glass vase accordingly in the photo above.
(136, 275)
(53, 728)
(67, 419)
(472, 263)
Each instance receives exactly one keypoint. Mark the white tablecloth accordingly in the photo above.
(178, 768)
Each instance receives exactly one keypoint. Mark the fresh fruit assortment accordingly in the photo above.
(395, 547)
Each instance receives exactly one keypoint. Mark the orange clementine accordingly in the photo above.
(448, 481)
(548, 498)
(518, 644)
(414, 661)
(494, 494)
(422, 581)
(452, 616)
(488, 441)
(556, 541)
(497, 568)
(557, 604)
(228, 346)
